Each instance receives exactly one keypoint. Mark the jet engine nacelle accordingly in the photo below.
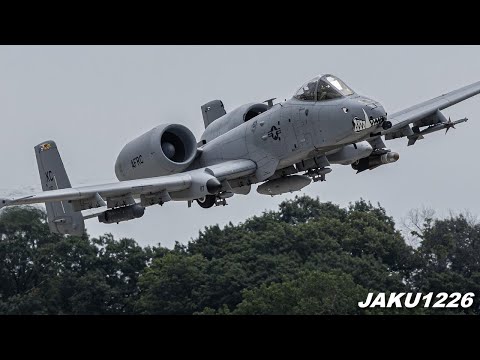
(232, 119)
(164, 150)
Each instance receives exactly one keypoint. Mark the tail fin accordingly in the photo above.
(62, 219)
(211, 111)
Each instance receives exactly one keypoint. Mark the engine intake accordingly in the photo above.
(164, 150)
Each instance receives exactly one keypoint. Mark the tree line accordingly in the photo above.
(308, 257)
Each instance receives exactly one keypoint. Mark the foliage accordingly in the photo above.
(309, 257)
(312, 292)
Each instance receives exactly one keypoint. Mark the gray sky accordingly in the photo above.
(93, 99)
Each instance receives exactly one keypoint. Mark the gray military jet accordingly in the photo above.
(283, 146)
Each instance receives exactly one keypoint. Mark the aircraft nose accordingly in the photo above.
(377, 114)
(380, 114)
(368, 114)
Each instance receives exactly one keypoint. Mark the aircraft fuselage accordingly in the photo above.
(296, 130)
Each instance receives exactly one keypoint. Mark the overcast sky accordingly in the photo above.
(92, 100)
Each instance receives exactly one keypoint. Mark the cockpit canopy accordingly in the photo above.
(326, 87)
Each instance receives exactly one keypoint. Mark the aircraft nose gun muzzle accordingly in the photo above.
(386, 124)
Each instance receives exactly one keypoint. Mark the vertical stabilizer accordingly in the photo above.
(62, 219)
(211, 111)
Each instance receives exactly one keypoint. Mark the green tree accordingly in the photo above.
(45, 273)
(308, 257)
(173, 284)
(25, 260)
(311, 293)
(449, 252)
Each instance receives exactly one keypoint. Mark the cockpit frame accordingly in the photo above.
(334, 88)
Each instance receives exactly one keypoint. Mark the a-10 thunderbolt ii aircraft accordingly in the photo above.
(283, 146)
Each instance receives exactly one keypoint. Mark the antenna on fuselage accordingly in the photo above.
(269, 102)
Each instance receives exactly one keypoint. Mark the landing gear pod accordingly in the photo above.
(207, 201)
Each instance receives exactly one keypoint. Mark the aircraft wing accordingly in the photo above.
(88, 196)
(428, 114)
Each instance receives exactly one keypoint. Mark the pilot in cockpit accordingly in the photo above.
(327, 87)
(326, 92)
